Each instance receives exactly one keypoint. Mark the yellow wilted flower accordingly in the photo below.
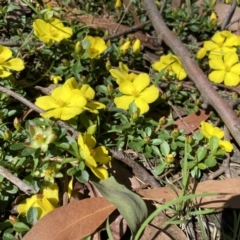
(124, 48)
(51, 31)
(44, 202)
(94, 157)
(208, 130)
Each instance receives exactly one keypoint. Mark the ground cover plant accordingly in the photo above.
(118, 114)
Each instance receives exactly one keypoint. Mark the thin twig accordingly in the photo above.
(17, 182)
(229, 14)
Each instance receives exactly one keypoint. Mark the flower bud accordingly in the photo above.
(147, 139)
(136, 48)
(134, 116)
(189, 139)
(118, 4)
(124, 48)
(108, 65)
(92, 129)
(106, 33)
(213, 18)
(175, 133)
(78, 47)
(110, 89)
(7, 135)
(169, 158)
(201, 53)
(162, 121)
(234, 95)
(13, 219)
(16, 123)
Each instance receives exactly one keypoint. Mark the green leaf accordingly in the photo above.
(17, 146)
(190, 164)
(102, 89)
(8, 236)
(20, 227)
(137, 146)
(156, 151)
(82, 176)
(63, 145)
(159, 169)
(165, 149)
(201, 153)
(202, 166)
(174, 145)
(213, 144)
(211, 161)
(28, 151)
(156, 141)
(130, 205)
(32, 215)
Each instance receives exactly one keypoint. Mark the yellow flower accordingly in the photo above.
(124, 48)
(122, 74)
(45, 202)
(208, 130)
(93, 156)
(64, 103)
(55, 79)
(226, 69)
(51, 31)
(16, 64)
(171, 65)
(97, 46)
(88, 93)
(136, 48)
(137, 92)
(221, 43)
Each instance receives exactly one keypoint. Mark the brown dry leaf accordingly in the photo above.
(74, 221)
(222, 9)
(228, 193)
(192, 121)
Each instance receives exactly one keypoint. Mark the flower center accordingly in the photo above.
(61, 103)
(227, 68)
(92, 152)
(134, 93)
(220, 44)
(53, 32)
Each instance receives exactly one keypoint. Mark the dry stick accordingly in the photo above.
(209, 94)
(229, 15)
(143, 174)
(16, 181)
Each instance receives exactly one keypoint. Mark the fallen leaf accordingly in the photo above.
(222, 10)
(227, 193)
(192, 121)
(74, 221)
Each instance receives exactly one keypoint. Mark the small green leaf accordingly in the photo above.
(17, 146)
(20, 227)
(82, 176)
(102, 89)
(165, 149)
(156, 151)
(201, 153)
(210, 161)
(213, 144)
(159, 169)
(202, 166)
(8, 236)
(28, 151)
(173, 145)
(156, 141)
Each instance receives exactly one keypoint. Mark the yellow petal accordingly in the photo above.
(226, 145)
(231, 79)
(16, 64)
(123, 102)
(87, 91)
(101, 155)
(5, 54)
(150, 94)
(100, 172)
(89, 140)
(127, 88)
(142, 105)
(141, 82)
(26, 204)
(217, 76)
(46, 102)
